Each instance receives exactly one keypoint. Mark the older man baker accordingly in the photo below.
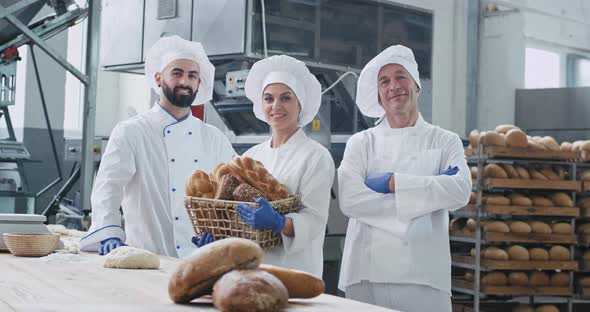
(402, 177)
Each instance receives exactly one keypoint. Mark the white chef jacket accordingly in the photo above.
(401, 237)
(147, 162)
(306, 168)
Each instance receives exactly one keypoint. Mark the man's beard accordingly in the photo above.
(180, 100)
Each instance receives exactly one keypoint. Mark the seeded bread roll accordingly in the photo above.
(226, 186)
(196, 275)
(249, 291)
(246, 193)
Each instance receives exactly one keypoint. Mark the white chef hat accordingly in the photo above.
(367, 93)
(173, 48)
(291, 72)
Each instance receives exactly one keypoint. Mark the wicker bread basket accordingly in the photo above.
(221, 218)
(31, 244)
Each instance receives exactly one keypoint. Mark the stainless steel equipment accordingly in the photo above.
(12, 223)
(73, 148)
(10, 150)
(563, 113)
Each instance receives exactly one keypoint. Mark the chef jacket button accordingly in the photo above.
(177, 247)
(172, 159)
(190, 133)
(173, 190)
(168, 131)
(196, 160)
(176, 218)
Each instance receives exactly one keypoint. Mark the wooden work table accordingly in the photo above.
(79, 283)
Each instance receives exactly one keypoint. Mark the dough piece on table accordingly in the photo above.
(127, 257)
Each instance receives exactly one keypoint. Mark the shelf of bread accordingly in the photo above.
(509, 141)
(509, 290)
(504, 152)
(513, 210)
(489, 265)
(496, 183)
(586, 186)
(493, 237)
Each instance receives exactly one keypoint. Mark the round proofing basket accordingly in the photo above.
(30, 244)
(221, 218)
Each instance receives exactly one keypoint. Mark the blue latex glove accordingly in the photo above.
(379, 183)
(450, 171)
(263, 218)
(109, 244)
(205, 239)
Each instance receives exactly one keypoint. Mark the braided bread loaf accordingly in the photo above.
(222, 169)
(254, 173)
(199, 185)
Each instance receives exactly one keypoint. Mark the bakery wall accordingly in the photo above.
(557, 26)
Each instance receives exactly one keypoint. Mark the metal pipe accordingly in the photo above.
(49, 50)
(263, 19)
(89, 114)
(47, 122)
(472, 65)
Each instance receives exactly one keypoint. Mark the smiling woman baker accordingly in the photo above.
(287, 97)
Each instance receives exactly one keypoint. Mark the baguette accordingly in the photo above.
(299, 284)
(516, 138)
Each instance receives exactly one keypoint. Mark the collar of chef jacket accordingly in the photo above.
(385, 129)
(294, 140)
(164, 119)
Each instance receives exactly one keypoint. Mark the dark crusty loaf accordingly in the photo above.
(249, 291)
(246, 193)
(196, 275)
(226, 187)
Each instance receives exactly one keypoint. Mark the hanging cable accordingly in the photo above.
(340, 78)
(264, 28)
